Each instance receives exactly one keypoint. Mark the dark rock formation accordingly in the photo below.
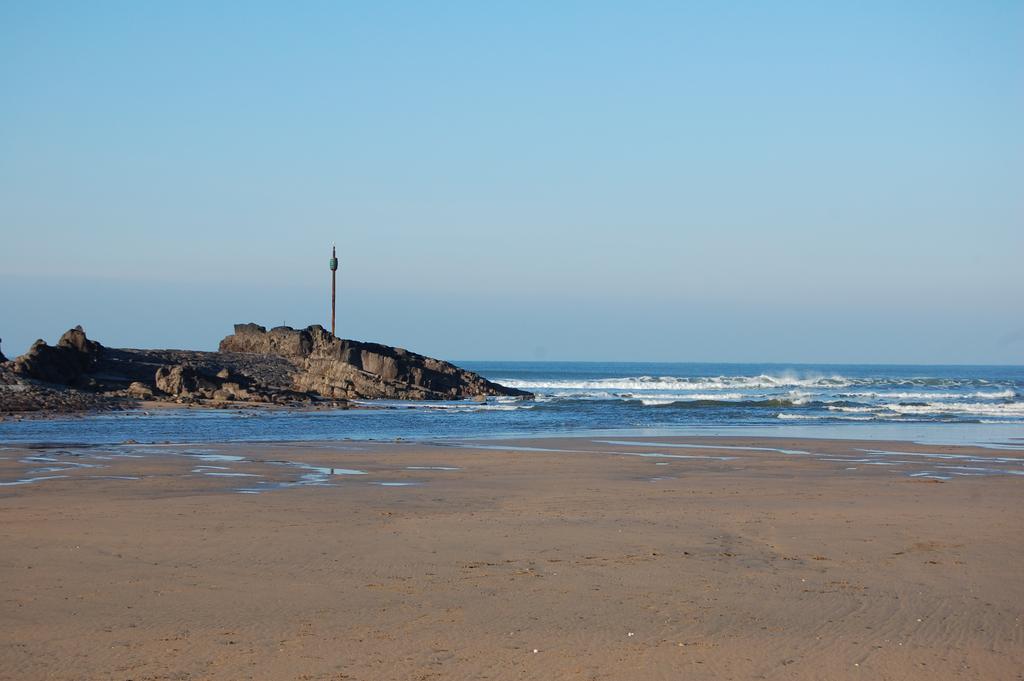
(339, 368)
(19, 395)
(2, 358)
(65, 363)
(283, 366)
(194, 381)
(281, 340)
(139, 391)
(41, 379)
(184, 379)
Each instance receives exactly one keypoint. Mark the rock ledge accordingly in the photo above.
(282, 366)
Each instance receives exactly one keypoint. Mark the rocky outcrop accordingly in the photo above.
(2, 358)
(78, 374)
(281, 340)
(339, 368)
(19, 395)
(283, 366)
(66, 363)
(139, 391)
(183, 379)
(192, 382)
(41, 380)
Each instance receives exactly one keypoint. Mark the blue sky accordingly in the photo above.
(749, 181)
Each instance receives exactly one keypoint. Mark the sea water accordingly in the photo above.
(948, 404)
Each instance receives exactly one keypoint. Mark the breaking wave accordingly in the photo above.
(930, 408)
(818, 417)
(705, 404)
(932, 395)
(794, 396)
(627, 383)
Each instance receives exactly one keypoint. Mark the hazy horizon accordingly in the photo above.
(787, 183)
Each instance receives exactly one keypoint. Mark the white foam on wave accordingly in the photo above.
(974, 408)
(661, 398)
(677, 383)
(855, 410)
(1001, 395)
(794, 397)
(817, 417)
(1011, 409)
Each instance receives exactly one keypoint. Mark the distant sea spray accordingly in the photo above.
(885, 393)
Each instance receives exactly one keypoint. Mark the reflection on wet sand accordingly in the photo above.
(264, 470)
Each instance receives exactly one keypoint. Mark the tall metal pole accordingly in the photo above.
(334, 278)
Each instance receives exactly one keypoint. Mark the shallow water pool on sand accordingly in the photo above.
(260, 468)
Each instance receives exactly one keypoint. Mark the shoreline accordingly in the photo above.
(644, 558)
(937, 433)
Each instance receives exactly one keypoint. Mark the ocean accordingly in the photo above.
(948, 404)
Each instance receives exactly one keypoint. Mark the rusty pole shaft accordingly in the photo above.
(334, 280)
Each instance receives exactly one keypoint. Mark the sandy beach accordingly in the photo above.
(669, 558)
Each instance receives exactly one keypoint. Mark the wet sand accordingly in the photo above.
(726, 558)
